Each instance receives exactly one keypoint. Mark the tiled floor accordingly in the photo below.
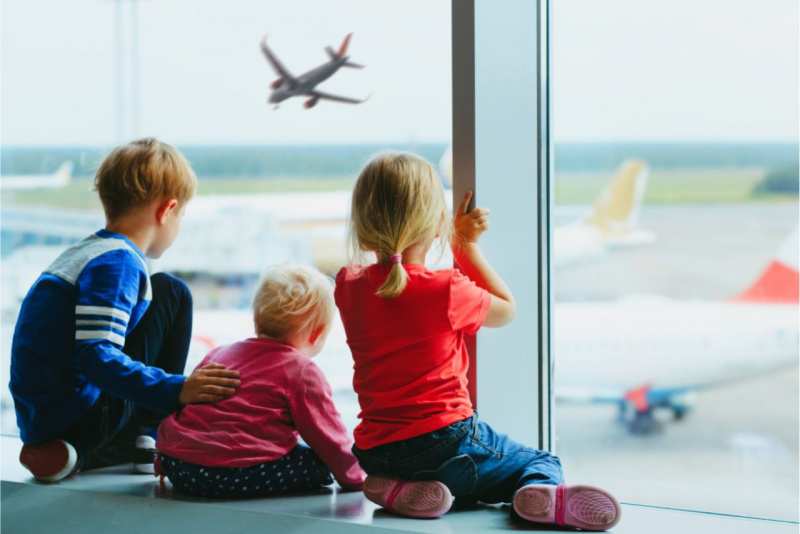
(113, 500)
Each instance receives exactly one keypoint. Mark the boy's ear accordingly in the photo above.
(315, 335)
(165, 209)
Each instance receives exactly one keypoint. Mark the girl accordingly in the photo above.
(419, 440)
(246, 445)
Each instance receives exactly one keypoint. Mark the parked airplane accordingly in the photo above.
(288, 85)
(60, 178)
(644, 353)
(611, 222)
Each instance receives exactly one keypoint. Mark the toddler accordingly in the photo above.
(246, 445)
(419, 439)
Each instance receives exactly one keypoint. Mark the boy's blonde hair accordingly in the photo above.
(292, 299)
(135, 174)
(398, 201)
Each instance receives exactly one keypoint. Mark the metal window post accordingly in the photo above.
(501, 150)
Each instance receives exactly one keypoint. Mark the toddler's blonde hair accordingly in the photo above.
(292, 299)
(398, 201)
(135, 174)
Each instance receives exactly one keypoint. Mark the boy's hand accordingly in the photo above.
(469, 226)
(210, 383)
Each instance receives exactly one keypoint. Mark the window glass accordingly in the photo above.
(675, 251)
(274, 177)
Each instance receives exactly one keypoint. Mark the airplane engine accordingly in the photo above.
(276, 83)
(310, 103)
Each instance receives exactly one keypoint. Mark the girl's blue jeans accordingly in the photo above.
(472, 460)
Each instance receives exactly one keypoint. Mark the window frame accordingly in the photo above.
(495, 62)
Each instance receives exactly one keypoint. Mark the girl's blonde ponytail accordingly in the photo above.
(395, 283)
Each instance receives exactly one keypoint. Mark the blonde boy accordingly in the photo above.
(100, 346)
(246, 446)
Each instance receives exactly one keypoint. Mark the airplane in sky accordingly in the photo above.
(646, 353)
(288, 85)
(60, 178)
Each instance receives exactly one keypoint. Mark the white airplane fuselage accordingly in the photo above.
(670, 344)
(306, 82)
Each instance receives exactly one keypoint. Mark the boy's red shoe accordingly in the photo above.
(419, 498)
(584, 507)
(51, 461)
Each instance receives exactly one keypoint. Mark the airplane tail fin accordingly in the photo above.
(342, 52)
(616, 212)
(343, 49)
(64, 173)
(780, 281)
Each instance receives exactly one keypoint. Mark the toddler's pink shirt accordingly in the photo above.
(283, 393)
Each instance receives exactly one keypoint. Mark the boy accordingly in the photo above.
(94, 362)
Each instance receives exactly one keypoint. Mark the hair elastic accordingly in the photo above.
(397, 258)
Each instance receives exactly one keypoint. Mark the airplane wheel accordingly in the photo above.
(679, 412)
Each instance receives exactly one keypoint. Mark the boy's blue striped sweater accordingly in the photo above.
(69, 336)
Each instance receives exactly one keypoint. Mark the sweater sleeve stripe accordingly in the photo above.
(102, 310)
(117, 326)
(100, 334)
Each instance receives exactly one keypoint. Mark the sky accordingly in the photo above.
(623, 70)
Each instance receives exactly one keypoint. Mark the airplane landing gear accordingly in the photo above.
(679, 411)
(644, 424)
(639, 422)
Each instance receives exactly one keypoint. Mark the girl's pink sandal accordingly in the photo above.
(420, 498)
(576, 506)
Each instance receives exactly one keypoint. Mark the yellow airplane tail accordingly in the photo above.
(64, 174)
(616, 212)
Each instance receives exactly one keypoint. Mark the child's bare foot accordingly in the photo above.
(585, 507)
(420, 499)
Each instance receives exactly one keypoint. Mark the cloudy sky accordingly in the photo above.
(712, 70)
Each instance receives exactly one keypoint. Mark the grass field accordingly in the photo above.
(723, 186)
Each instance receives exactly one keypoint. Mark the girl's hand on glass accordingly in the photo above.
(470, 225)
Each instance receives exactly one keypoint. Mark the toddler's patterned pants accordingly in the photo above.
(300, 470)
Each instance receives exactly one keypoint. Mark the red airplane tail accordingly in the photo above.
(343, 49)
(780, 282)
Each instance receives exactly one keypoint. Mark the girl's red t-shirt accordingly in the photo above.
(411, 362)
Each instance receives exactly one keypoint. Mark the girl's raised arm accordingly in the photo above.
(469, 226)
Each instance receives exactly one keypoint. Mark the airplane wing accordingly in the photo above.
(335, 98)
(273, 60)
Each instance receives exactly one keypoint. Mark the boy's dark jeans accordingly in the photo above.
(106, 435)
(472, 460)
